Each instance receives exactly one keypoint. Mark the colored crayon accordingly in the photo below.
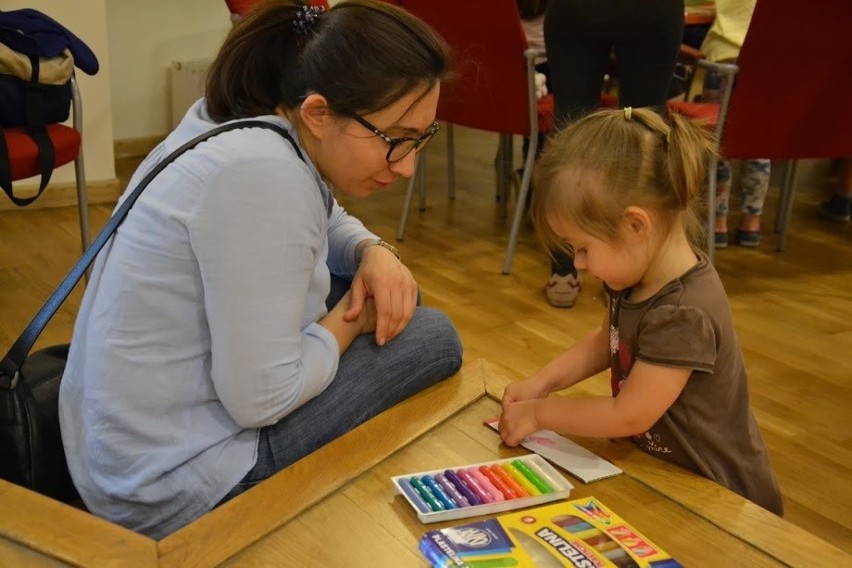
(532, 476)
(463, 489)
(415, 497)
(497, 482)
(574, 524)
(546, 477)
(474, 486)
(427, 495)
(439, 492)
(486, 484)
(597, 538)
(519, 477)
(451, 490)
(509, 481)
(506, 562)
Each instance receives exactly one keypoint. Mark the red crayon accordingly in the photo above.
(510, 481)
(501, 486)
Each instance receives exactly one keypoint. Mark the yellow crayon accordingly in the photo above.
(521, 478)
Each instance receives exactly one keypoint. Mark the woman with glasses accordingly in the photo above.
(213, 347)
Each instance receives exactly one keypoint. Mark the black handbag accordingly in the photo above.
(31, 451)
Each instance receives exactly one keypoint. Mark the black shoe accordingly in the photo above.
(837, 209)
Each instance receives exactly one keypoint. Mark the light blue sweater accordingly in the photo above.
(198, 325)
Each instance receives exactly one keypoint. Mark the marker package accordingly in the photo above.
(482, 488)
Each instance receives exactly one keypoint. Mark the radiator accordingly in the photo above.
(187, 85)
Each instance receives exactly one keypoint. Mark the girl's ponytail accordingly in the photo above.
(689, 150)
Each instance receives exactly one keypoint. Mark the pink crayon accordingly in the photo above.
(496, 494)
(474, 486)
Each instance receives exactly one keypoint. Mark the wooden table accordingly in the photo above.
(337, 507)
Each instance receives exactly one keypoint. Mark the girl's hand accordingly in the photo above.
(384, 279)
(367, 316)
(518, 421)
(524, 390)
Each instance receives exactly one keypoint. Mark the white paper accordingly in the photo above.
(566, 454)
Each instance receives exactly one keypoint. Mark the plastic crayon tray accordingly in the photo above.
(482, 488)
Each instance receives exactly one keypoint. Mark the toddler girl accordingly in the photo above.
(618, 191)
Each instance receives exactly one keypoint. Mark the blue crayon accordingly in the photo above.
(427, 495)
(463, 489)
(439, 492)
(415, 497)
(451, 490)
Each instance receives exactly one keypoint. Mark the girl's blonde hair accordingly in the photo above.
(595, 168)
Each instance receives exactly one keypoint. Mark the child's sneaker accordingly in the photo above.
(837, 209)
(749, 239)
(720, 239)
(562, 291)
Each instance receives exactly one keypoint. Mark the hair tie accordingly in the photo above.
(306, 19)
(628, 113)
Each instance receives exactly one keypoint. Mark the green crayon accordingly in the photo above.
(532, 476)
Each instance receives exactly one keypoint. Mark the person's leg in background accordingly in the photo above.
(838, 207)
(723, 197)
(578, 50)
(578, 58)
(754, 183)
(647, 37)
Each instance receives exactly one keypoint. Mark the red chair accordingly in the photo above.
(785, 103)
(67, 145)
(493, 88)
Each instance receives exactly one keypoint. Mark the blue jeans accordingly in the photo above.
(369, 380)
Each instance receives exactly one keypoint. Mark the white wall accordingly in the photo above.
(144, 38)
(87, 20)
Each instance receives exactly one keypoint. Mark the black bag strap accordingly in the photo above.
(37, 129)
(14, 359)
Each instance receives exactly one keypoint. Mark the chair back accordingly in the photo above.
(793, 93)
(489, 87)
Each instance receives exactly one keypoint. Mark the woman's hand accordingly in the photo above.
(382, 277)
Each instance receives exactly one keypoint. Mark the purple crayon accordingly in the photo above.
(451, 490)
(463, 489)
(474, 486)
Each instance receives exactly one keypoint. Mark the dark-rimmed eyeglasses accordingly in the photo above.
(400, 147)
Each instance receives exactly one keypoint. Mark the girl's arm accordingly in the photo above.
(648, 393)
(584, 359)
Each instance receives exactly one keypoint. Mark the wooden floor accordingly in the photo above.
(792, 310)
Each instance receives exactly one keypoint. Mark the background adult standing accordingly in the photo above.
(581, 36)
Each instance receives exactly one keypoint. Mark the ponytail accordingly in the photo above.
(689, 150)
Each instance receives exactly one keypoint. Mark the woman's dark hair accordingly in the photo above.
(361, 55)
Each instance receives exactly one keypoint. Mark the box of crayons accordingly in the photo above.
(583, 533)
(482, 488)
